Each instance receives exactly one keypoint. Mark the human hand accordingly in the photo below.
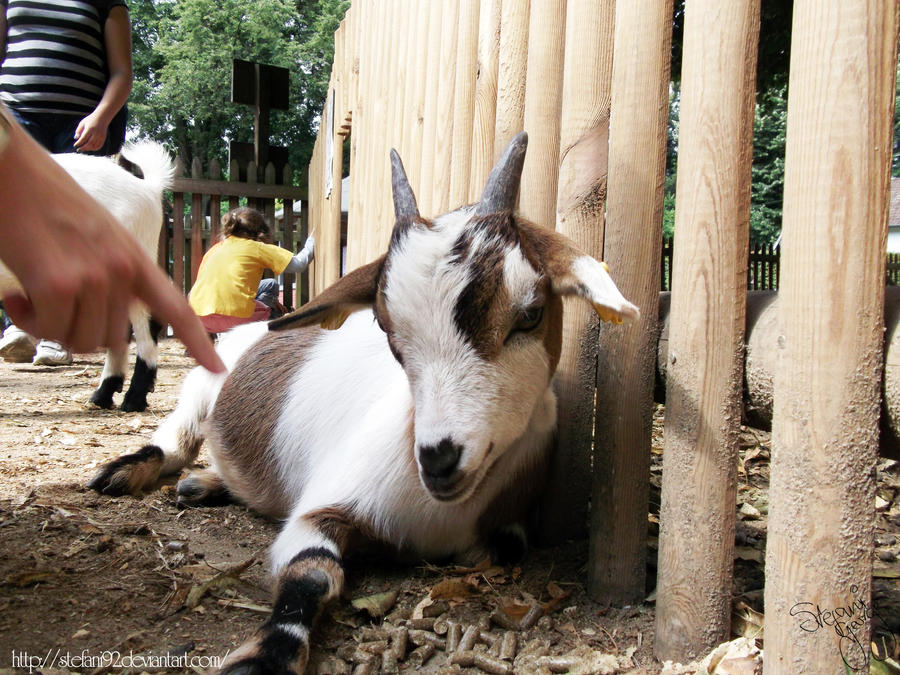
(90, 134)
(79, 268)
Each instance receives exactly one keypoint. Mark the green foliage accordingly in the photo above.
(183, 52)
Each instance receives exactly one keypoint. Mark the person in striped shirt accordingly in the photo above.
(65, 75)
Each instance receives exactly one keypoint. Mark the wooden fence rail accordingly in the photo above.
(194, 213)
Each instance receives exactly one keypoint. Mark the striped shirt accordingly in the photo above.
(55, 56)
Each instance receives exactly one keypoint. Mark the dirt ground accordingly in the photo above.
(94, 584)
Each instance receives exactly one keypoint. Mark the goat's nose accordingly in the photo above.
(439, 461)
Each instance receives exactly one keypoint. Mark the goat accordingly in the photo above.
(424, 420)
(137, 204)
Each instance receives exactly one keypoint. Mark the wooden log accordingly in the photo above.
(825, 432)
(511, 74)
(443, 138)
(464, 102)
(543, 102)
(633, 244)
(328, 243)
(703, 394)
(485, 113)
(580, 205)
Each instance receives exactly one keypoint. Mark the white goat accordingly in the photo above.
(137, 204)
(423, 422)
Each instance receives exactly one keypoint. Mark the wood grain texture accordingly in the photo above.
(512, 72)
(581, 200)
(627, 355)
(446, 87)
(430, 113)
(485, 114)
(703, 387)
(543, 103)
(464, 101)
(825, 434)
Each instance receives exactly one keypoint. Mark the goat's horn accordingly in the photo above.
(503, 183)
(404, 200)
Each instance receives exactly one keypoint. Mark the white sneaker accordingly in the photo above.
(17, 346)
(51, 353)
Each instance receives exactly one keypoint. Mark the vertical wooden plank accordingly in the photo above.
(234, 176)
(330, 231)
(415, 119)
(446, 86)
(827, 385)
(464, 102)
(288, 297)
(485, 114)
(512, 71)
(703, 384)
(627, 355)
(543, 103)
(196, 223)
(215, 202)
(580, 204)
(430, 113)
(358, 221)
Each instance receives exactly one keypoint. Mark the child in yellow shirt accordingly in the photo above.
(229, 282)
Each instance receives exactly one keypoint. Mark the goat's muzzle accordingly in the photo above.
(438, 464)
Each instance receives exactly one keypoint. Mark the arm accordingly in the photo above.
(91, 131)
(301, 261)
(80, 270)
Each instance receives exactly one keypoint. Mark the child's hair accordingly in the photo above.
(246, 223)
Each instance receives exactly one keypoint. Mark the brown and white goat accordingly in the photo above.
(424, 421)
(137, 204)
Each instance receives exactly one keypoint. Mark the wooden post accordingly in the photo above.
(825, 427)
(442, 143)
(178, 231)
(580, 203)
(413, 128)
(632, 248)
(543, 102)
(463, 102)
(703, 392)
(196, 250)
(512, 72)
(430, 114)
(485, 114)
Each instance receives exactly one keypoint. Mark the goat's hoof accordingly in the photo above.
(133, 403)
(129, 474)
(202, 488)
(103, 394)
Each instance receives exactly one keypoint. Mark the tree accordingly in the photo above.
(183, 54)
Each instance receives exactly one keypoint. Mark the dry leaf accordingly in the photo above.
(453, 588)
(376, 605)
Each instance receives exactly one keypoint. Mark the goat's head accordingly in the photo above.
(470, 303)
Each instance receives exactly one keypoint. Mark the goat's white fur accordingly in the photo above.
(137, 204)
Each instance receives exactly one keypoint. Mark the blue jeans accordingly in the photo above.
(54, 131)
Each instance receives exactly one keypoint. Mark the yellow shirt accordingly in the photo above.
(230, 273)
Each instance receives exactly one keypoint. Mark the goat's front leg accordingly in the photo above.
(307, 562)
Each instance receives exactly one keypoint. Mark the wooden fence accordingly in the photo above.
(762, 267)
(193, 219)
(449, 82)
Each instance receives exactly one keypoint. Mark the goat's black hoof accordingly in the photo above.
(133, 403)
(202, 488)
(129, 473)
(103, 394)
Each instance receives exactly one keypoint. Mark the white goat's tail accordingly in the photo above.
(154, 161)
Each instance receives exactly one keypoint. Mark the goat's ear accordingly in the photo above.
(331, 308)
(573, 272)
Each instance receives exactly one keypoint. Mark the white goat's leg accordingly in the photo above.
(174, 444)
(306, 559)
(143, 379)
(112, 379)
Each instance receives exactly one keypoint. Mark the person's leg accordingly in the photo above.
(267, 292)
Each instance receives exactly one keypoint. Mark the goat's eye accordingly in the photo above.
(528, 320)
